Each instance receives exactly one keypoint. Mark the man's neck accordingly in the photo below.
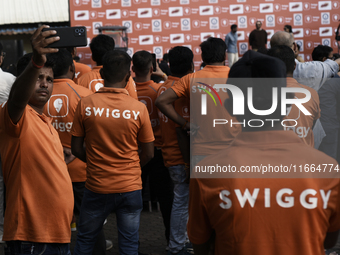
(63, 77)
(290, 75)
(217, 64)
(118, 85)
(142, 78)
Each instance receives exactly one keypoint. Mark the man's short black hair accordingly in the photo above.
(320, 52)
(233, 26)
(26, 59)
(180, 60)
(284, 53)
(116, 65)
(99, 46)
(256, 65)
(62, 61)
(142, 62)
(213, 50)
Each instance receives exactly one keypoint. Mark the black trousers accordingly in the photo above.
(161, 187)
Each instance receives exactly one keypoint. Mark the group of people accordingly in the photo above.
(257, 41)
(81, 142)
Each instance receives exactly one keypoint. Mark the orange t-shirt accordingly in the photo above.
(304, 127)
(61, 107)
(208, 139)
(38, 187)
(147, 94)
(265, 216)
(112, 123)
(81, 69)
(171, 153)
(93, 81)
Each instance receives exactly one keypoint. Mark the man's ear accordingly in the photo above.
(295, 48)
(72, 68)
(133, 69)
(192, 67)
(324, 59)
(101, 71)
(128, 76)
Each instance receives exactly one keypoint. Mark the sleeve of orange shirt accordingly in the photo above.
(182, 86)
(11, 128)
(77, 126)
(131, 88)
(145, 134)
(199, 228)
(81, 69)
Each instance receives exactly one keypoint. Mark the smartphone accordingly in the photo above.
(69, 37)
(153, 61)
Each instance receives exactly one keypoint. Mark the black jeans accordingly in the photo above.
(161, 186)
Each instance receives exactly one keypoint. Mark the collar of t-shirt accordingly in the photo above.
(43, 117)
(147, 83)
(113, 90)
(211, 68)
(62, 81)
(173, 78)
(291, 82)
(261, 138)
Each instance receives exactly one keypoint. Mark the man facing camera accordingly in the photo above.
(38, 187)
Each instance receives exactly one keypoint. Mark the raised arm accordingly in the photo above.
(24, 85)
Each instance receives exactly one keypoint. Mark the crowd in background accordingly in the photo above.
(77, 144)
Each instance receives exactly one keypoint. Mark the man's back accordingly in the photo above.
(147, 94)
(266, 216)
(113, 123)
(206, 142)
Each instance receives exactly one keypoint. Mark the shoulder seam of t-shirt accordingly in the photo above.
(73, 90)
(152, 88)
